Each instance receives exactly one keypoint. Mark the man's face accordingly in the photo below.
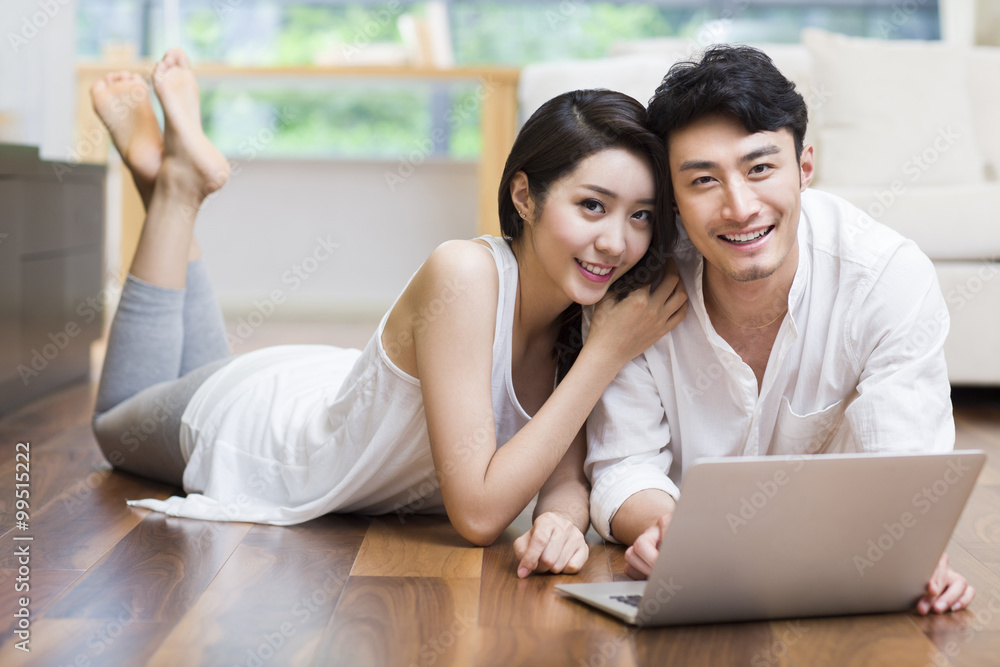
(738, 195)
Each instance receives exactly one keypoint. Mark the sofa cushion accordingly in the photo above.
(637, 76)
(972, 349)
(948, 222)
(894, 109)
(984, 77)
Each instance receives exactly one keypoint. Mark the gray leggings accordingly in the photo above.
(163, 344)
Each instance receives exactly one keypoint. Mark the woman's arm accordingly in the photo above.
(485, 488)
(556, 541)
(567, 492)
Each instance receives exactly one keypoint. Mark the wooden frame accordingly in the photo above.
(498, 121)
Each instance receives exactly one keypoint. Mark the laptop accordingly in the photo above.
(770, 537)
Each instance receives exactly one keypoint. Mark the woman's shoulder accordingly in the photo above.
(465, 266)
(471, 254)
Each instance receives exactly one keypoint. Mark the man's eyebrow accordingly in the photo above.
(770, 149)
(693, 165)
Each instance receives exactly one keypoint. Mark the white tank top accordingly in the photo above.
(289, 433)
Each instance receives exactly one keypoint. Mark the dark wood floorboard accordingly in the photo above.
(158, 570)
(722, 644)
(292, 577)
(403, 621)
(112, 585)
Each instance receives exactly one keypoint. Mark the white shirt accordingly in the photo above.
(857, 365)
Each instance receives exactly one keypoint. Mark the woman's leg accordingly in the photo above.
(141, 434)
(122, 102)
(191, 169)
(146, 346)
(204, 328)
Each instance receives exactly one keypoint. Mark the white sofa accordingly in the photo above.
(908, 131)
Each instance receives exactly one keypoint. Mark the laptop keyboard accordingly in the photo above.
(632, 600)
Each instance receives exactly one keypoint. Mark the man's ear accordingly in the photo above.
(520, 194)
(807, 167)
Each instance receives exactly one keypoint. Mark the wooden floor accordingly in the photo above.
(110, 585)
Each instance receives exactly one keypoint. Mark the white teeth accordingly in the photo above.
(743, 238)
(594, 269)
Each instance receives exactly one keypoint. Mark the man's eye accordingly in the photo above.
(702, 180)
(760, 168)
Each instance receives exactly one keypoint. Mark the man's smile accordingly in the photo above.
(747, 237)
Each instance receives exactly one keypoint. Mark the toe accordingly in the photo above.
(175, 56)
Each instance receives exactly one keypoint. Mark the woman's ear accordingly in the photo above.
(520, 194)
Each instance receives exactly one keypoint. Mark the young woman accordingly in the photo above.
(454, 405)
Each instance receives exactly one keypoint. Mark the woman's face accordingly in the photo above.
(595, 223)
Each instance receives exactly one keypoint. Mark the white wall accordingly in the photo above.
(37, 81)
(268, 221)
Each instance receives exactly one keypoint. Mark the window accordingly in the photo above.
(383, 119)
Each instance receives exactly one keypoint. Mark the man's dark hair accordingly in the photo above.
(734, 80)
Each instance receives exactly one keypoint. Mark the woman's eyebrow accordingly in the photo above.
(599, 189)
(609, 193)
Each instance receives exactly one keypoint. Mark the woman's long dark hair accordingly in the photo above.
(558, 136)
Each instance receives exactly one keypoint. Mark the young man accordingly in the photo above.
(811, 327)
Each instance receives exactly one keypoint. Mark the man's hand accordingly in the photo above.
(641, 556)
(553, 545)
(946, 591)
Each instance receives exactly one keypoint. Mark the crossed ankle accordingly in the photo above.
(181, 184)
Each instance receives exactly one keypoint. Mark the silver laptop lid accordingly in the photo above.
(792, 536)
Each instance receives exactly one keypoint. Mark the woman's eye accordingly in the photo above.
(592, 205)
(702, 180)
(644, 216)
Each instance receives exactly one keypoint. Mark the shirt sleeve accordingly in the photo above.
(897, 341)
(628, 444)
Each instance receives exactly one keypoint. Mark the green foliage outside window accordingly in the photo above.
(386, 120)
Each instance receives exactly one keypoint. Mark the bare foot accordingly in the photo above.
(121, 100)
(192, 157)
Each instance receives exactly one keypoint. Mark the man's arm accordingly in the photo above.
(629, 454)
(639, 512)
(904, 396)
(896, 341)
(642, 521)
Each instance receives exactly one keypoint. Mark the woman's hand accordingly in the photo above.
(630, 326)
(946, 591)
(553, 545)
